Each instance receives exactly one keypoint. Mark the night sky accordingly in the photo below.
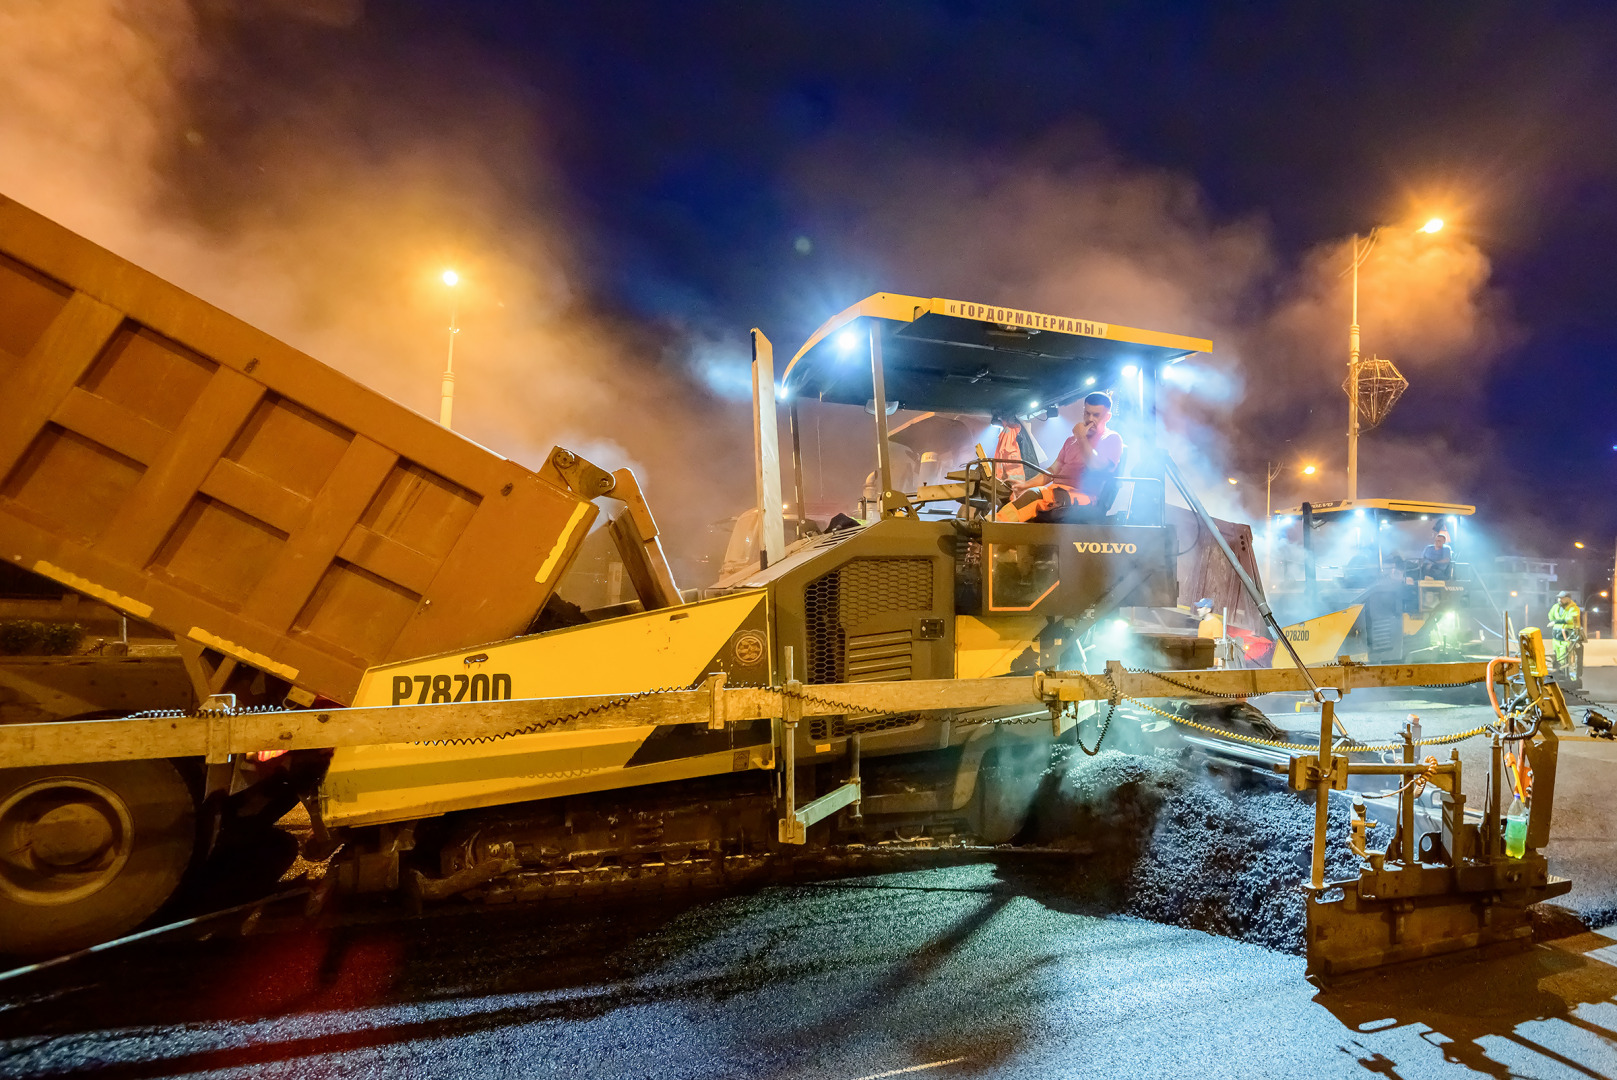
(705, 168)
(674, 125)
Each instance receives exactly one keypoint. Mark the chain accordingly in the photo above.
(1220, 732)
(1437, 740)
(1185, 686)
(1578, 696)
(859, 710)
(1115, 696)
(978, 721)
(198, 714)
(538, 726)
(1106, 724)
(1242, 697)
(617, 703)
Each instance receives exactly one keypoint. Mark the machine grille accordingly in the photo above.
(880, 657)
(843, 599)
(840, 727)
(877, 586)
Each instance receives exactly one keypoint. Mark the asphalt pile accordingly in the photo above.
(1179, 845)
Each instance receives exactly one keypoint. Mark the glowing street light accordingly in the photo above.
(1578, 544)
(446, 404)
(1232, 480)
(1433, 225)
(1268, 511)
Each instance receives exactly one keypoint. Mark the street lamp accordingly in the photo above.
(446, 406)
(1361, 252)
(1268, 513)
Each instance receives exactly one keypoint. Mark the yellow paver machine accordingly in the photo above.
(361, 603)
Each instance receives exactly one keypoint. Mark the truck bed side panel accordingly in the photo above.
(165, 457)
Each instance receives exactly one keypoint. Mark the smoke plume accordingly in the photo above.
(1068, 227)
(282, 164)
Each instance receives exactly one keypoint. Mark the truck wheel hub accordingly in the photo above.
(62, 839)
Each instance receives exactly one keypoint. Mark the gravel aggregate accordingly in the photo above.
(1180, 845)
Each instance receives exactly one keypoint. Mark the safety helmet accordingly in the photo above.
(1563, 595)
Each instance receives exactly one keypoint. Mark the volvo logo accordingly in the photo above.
(1093, 547)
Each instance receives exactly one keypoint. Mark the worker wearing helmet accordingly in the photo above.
(1207, 623)
(1566, 634)
(1078, 475)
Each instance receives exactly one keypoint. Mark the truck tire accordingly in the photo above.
(88, 852)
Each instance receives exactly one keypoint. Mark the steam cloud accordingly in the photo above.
(319, 191)
(1069, 228)
(277, 162)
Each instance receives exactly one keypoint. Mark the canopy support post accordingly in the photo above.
(797, 471)
(884, 471)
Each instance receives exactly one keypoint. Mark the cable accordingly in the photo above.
(144, 934)
(1418, 781)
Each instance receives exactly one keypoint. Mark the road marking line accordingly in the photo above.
(913, 1068)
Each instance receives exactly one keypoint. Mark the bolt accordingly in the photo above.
(565, 459)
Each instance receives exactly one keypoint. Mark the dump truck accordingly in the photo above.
(364, 607)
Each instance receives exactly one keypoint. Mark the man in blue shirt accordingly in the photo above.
(1437, 561)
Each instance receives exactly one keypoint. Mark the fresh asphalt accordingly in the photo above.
(967, 971)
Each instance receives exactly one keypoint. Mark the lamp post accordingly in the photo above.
(446, 406)
(1361, 252)
(1268, 514)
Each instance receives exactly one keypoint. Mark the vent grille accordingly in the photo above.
(825, 635)
(849, 595)
(840, 727)
(877, 586)
(880, 657)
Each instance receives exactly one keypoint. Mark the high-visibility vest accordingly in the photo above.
(1566, 614)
